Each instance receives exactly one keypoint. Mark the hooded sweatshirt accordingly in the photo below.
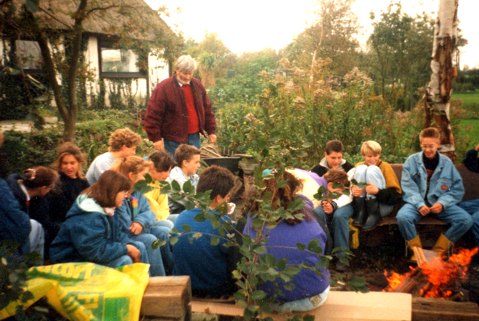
(89, 234)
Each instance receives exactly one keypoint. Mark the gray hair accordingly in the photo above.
(185, 63)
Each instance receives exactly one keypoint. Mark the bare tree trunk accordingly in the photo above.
(443, 68)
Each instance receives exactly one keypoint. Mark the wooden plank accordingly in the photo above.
(167, 297)
(340, 306)
(426, 309)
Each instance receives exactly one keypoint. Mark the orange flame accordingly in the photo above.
(442, 275)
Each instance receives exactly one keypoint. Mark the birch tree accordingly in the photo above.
(443, 71)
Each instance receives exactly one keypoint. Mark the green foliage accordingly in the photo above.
(39, 147)
(256, 266)
(400, 56)
(293, 120)
(28, 149)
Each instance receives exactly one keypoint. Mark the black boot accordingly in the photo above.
(360, 213)
(374, 217)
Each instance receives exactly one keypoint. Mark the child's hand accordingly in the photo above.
(356, 191)
(424, 210)
(136, 228)
(372, 189)
(477, 147)
(134, 253)
(436, 208)
(327, 207)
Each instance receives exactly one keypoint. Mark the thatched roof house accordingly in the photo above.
(130, 18)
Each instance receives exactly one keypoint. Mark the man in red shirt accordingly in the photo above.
(179, 110)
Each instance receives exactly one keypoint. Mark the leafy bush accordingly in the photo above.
(23, 150)
(294, 120)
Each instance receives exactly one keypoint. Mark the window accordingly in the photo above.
(27, 52)
(119, 62)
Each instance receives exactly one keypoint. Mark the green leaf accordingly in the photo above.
(197, 235)
(188, 187)
(260, 250)
(175, 186)
(200, 217)
(314, 246)
(258, 295)
(186, 228)
(214, 240)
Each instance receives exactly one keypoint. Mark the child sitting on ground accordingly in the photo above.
(335, 212)
(92, 231)
(382, 190)
(311, 286)
(138, 220)
(432, 186)
(188, 162)
(161, 164)
(209, 266)
(122, 143)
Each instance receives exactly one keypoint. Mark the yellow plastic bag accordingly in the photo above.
(87, 291)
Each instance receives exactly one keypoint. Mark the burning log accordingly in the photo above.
(437, 277)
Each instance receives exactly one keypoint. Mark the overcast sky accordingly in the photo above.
(253, 25)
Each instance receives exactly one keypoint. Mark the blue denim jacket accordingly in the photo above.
(445, 186)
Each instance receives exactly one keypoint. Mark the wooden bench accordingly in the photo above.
(340, 306)
(167, 298)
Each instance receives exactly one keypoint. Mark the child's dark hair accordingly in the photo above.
(105, 189)
(283, 195)
(39, 176)
(338, 176)
(185, 152)
(430, 132)
(218, 179)
(334, 145)
(162, 161)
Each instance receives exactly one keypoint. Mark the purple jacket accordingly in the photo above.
(166, 115)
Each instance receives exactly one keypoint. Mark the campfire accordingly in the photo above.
(436, 277)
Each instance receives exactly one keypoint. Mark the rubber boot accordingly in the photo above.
(360, 213)
(374, 217)
(415, 242)
(443, 244)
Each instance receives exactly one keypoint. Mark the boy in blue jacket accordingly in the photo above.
(209, 266)
(432, 186)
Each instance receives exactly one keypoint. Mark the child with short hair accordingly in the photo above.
(209, 266)
(336, 212)
(333, 158)
(92, 231)
(161, 165)
(188, 162)
(122, 143)
(138, 220)
(382, 190)
(432, 186)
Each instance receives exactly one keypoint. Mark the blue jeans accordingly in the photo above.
(370, 175)
(459, 221)
(472, 207)
(302, 305)
(339, 223)
(193, 139)
(36, 240)
(154, 255)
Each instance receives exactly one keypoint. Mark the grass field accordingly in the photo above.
(468, 126)
(470, 102)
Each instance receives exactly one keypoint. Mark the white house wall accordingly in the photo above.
(158, 70)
